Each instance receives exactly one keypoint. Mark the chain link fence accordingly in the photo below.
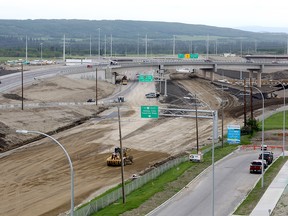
(98, 204)
(115, 195)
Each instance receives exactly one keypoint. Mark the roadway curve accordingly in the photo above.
(232, 182)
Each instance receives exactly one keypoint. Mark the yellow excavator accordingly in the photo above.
(115, 158)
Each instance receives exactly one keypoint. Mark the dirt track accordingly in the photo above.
(35, 180)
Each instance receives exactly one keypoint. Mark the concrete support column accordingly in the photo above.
(259, 79)
(212, 72)
(204, 73)
(212, 76)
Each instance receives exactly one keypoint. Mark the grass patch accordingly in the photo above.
(255, 195)
(183, 173)
(275, 121)
(246, 139)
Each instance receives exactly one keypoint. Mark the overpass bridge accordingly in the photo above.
(204, 66)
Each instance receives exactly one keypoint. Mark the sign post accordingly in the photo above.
(233, 134)
(149, 112)
(146, 78)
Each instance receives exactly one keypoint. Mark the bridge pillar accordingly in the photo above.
(259, 79)
(212, 72)
(212, 76)
(204, 73)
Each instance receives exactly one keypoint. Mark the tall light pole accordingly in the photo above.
(26, 52)
(111, 45)
(174, 45)
(105, 43)
(64, 52)
(99, 43)
(146, 42)
(213, 164)
(213, 158)
(262, 143)
(207, 47)
(68, 157)
(283, 141)
(138, 45)
(41, 44)
(90, 46)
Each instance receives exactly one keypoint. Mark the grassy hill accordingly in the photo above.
(130, 37)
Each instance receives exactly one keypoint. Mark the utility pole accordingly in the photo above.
(146, 42)
(222, 122)
(245, 118)
(99, 43)
(111, 45)
(26, 50)
(174, 45)
(197, 137)
(251, 99)
(122, 160)
(22, 86)
(105, 41)
(96, 98)
(90, 45)
(64, 50)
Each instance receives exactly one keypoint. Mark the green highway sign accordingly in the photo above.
(149, 112)
(146, 78)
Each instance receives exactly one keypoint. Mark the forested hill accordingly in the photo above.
(129, 37)
(120, 29)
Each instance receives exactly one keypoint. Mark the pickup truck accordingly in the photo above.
(256, 166)
(268, 156)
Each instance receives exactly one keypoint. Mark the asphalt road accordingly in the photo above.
(12, 81)
(232, 182)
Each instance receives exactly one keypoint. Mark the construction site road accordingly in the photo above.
(35, 178)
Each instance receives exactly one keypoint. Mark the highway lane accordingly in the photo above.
(13, 81)
(232, 182)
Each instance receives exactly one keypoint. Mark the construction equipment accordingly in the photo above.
(115, 158)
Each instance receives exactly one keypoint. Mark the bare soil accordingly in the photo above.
(35, 178)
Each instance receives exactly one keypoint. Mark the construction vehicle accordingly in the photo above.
(115, 158)
(124, 80)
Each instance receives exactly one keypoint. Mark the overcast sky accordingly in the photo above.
(221, 13)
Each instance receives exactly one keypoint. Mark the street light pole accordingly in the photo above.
(68, 157)
(213, 164)
(262, 143)
(99, 43)
(96, 96)
(284, 123)
(22, 88)
(41, 52)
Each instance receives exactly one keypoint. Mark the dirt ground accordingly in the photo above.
(35, 179)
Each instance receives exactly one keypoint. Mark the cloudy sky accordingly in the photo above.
(221, 13)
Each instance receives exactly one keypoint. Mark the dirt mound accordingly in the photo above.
(13, 96)
(4, 130)
(277, 75)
